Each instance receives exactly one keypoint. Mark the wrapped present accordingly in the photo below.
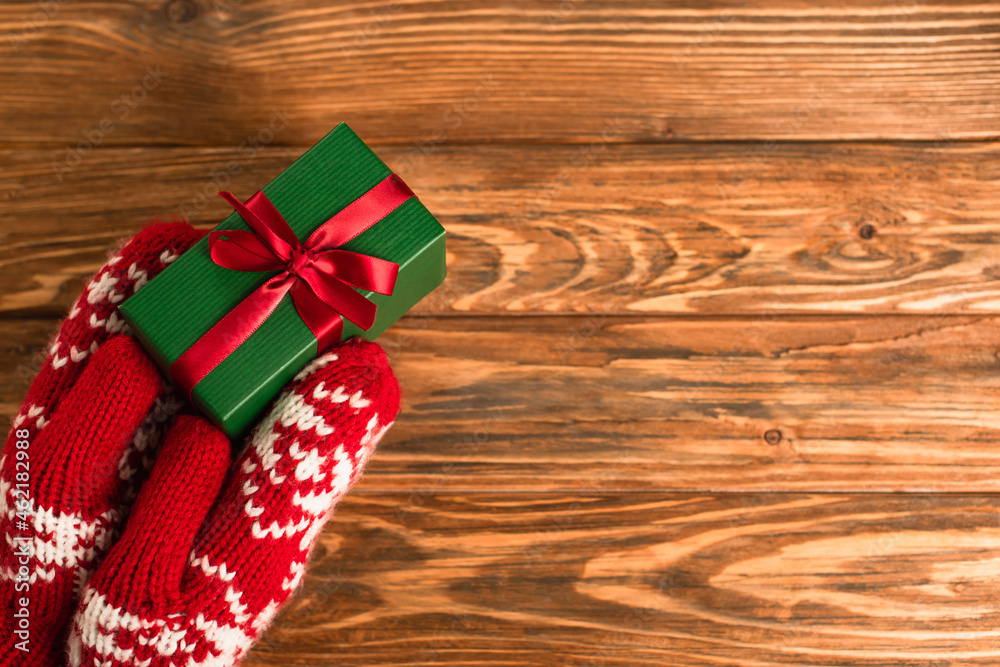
(335, 246)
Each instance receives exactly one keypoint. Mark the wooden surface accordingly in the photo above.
(715, 376)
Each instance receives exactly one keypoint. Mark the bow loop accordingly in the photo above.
(357, 270)
(266, 221)
(338, 298)
(243, 251)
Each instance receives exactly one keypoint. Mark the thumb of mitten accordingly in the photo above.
(144, 569)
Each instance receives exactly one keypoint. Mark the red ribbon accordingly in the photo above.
(320, 277)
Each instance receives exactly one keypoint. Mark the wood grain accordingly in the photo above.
(583, 405)
(461, 71)
(648, 579)
(697, 229)
(715, 375)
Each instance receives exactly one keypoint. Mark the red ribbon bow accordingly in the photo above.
(319, 275)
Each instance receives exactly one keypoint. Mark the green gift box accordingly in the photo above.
(189, 298)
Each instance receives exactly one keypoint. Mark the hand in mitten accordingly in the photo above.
(212, 549)
(76, 454)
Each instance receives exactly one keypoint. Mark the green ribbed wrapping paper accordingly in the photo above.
(177, 307)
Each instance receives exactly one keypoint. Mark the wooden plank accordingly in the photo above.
(214, 73)
(580, 404)
(695, 229)
(648, 579)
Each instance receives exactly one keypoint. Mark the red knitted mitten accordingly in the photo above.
(75, 454)
(212, 550)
